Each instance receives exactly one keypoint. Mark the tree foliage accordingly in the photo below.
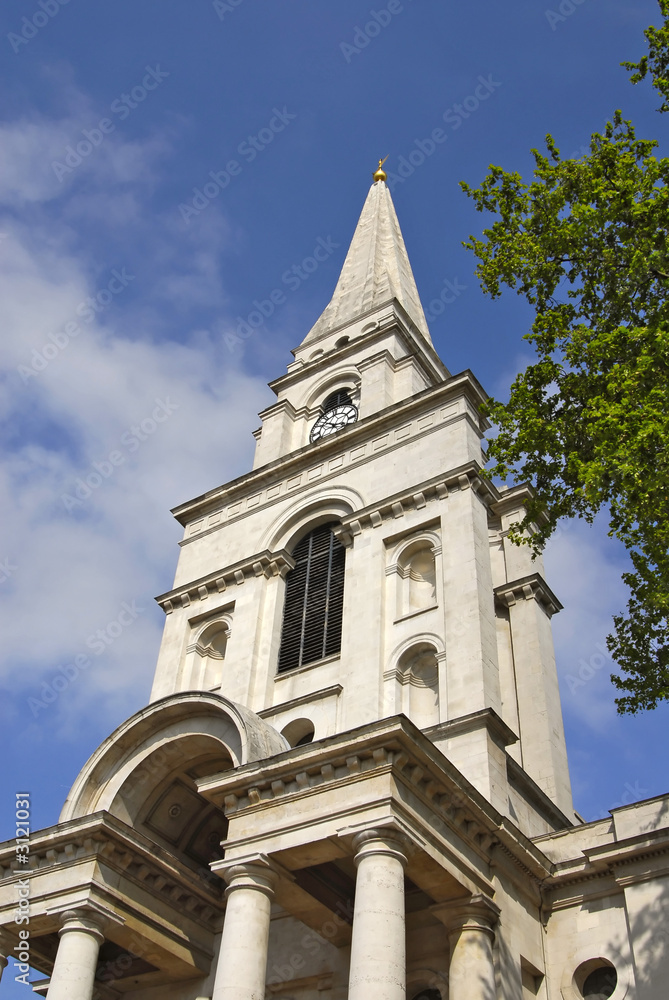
(656, 62)
(587, 424)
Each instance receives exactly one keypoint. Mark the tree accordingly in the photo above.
(657, 61)
(585, 242)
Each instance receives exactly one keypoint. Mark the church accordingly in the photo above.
(351, 778)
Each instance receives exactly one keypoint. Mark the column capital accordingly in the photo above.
(87, 916)
(381, 840)
(256, 872)
(478, 913)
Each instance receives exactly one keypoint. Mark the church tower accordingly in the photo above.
(363, 569)
(351, 778)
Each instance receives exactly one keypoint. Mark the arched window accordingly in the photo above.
(299, 732)
(340, 397)
(419, 672)
(203, 667)
(416, 568)
(422, 580)
(312, 614)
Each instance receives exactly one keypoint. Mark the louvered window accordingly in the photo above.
(339, 398)
(312, 614)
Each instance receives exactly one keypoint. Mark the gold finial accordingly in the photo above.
(380, 174)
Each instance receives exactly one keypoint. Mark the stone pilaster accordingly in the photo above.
(378, 947)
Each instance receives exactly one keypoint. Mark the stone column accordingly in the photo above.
(73, 975)
(471, 934)
(241, 968)
(378, 946)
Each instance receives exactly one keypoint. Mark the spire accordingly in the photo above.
(376, 269)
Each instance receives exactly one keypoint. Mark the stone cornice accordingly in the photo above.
(528, 588)
(277, 407)
(304, 699)
(352, 437)
(625, 852)
(512, 499)
(608, 868)
(394, 506)
(264, 563)
(106, 840)
(486, 718)
(267, 563)
(388, 314)
(392, 745)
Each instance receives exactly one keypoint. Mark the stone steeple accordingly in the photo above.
(376, 271)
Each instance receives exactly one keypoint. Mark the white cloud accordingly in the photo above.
(583, 567)
(127, 368)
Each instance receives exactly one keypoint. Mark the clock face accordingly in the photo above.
(334, 420)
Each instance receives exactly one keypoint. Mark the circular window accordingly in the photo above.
(600, 984)
(596, 979)
(428, 995)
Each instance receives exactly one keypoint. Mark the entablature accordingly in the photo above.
(340, 451)
(395, 506)
(264, 563)
(103, 838)
(157, 911)
(294, 782)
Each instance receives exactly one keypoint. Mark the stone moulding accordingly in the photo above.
(459, 386)
(279, 563)
(485, 718)
(612, 863)
(528, 588)
(435, 489)
(265, 564)
(106, 840)
(521, 781)
(393, 746)
(334, 690)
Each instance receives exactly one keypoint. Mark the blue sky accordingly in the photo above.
(122, 289)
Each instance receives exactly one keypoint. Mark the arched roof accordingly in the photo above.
(241, 735)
